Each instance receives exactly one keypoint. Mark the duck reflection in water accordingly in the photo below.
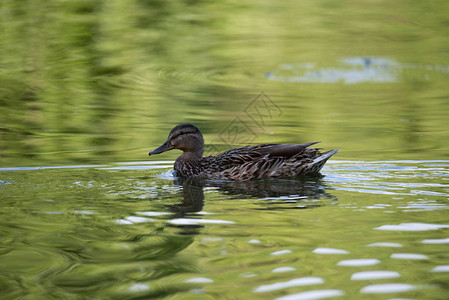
(296, 193)
(193, 196)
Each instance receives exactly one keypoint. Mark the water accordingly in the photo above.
(378, 229)
(87, 88)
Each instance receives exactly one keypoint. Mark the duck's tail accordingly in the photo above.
(325, 156)
(317, 164)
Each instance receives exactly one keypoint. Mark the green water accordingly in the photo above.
(102, 81)
(130, 231)
(87, 88)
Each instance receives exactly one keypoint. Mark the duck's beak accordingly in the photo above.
(164, 147)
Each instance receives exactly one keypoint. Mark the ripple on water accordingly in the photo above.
(248, 275)
(349, 70)
(412, 256)
(49, 168)
(283, 269)
(387, 288)
(169, 175)
(199, 280)
(206, 240)
(385, 244)
(281, 252)
(150, 162)
(330, 251)
(138, 287)
(412, 227)
(291, 283)
(435, 241)
(417, 206)
(83, 212)
(123, 222)
(153, 213)
(312, 295)
(362, 262)
(442, 268)
(186, 221)
(136, 167)
(133, 220)
(372, 275)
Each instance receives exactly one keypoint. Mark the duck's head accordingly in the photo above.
(186, 137)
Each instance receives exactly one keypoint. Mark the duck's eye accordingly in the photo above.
(180, 134)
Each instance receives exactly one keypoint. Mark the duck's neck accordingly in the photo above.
(191, 156)
(188, 163)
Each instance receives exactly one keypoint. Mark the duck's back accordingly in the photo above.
(265, 161)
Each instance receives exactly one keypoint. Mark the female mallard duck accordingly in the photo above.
(250, 162)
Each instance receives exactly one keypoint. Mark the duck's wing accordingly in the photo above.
(267, 160)
(252, 154)
(286, 150)
(235, 157)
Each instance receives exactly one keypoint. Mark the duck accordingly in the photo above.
(240, 164)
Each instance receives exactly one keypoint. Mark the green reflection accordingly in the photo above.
(97, 81)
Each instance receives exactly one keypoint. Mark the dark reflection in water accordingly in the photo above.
(297, 193)
(193, 196)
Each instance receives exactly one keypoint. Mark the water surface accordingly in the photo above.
(126, 230)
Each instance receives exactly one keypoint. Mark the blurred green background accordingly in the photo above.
(104, 81)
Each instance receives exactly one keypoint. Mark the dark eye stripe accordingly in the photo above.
(182, 133)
